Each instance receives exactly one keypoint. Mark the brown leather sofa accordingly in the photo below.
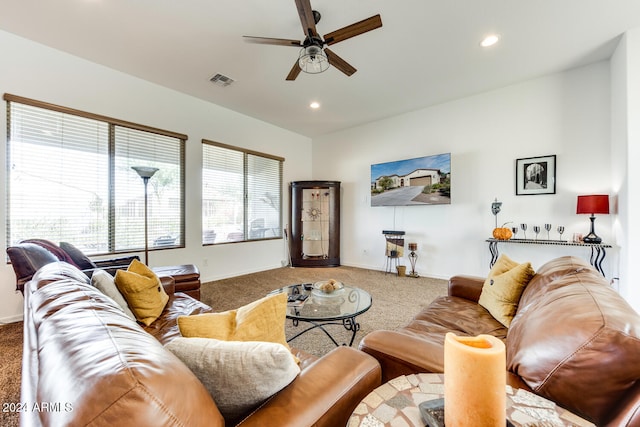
(92, 365)
(574, 340)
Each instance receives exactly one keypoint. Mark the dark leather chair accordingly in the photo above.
(29, 256)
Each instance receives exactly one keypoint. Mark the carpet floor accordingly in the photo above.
(10, 368)
(395, 301)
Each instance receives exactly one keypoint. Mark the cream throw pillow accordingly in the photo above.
(261, 320)
(105, 283)
(503, 288)
(143, 291)
(238, 375)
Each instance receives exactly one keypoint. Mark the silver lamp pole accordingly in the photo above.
(145, 173)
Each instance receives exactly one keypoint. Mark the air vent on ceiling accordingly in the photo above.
(221, 80)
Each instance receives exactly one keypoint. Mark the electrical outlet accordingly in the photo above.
(205, 262)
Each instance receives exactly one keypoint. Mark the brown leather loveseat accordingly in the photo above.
(573, 340)
(86, 363)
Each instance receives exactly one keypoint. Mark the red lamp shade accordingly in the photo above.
(593, 204)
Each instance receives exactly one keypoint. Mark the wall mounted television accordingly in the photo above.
(412, 182)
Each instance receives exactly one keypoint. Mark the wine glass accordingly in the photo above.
(560, 231)
(515, 231)
(536, 229)
(524, 230)
(548, 228)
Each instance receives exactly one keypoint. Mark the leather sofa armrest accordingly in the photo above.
(401, 353)
(468, 287)
(110, 269)
(627, 412)
(324, 394)
(115, 262)
(168, 283)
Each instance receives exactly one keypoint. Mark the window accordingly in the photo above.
(241, 194)
(70, 179)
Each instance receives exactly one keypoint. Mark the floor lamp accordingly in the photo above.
(145, 173)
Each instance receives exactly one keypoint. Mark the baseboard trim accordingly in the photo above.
(369, 267)
(11, 319)
(265, 268)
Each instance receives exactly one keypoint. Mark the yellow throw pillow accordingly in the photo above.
(262, 320)
(143, 291)
(503, 288)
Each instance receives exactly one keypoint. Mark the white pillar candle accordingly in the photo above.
(474, 381)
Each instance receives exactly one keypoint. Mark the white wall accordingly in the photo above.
(35, 71)
(566, 114)
(625, 137)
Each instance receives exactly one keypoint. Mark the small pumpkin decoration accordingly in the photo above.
(502, 233)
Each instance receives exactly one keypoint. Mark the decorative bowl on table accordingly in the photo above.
(327, 288)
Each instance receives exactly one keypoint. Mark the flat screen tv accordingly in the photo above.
(412, 182)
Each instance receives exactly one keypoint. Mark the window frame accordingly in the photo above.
(246, 222)
(112, 123)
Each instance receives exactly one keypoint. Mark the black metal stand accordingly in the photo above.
(393, 239)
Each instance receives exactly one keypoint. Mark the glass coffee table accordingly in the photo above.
(317, 309)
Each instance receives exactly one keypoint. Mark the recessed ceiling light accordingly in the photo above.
(314, 105)
(490, 40)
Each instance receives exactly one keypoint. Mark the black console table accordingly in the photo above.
(598, 251)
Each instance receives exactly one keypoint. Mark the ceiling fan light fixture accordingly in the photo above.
(490, 40)
(313, 60)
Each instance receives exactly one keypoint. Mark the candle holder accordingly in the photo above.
(413, 257)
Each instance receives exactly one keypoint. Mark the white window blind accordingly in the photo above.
(70, 179)
(165, 195)
(241, 194)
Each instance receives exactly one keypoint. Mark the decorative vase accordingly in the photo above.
(402, 270)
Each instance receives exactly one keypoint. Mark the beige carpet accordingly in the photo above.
(395, 301)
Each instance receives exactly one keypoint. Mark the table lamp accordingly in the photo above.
(593, 204)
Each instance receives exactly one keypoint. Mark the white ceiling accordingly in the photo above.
(427, 51)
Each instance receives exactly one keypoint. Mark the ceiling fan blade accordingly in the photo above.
(353, 30)
(339, 63)
(295, 70)
(306, 17)
(269, 40)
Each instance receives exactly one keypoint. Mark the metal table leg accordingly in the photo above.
(493, 248)
(597, 257)
(349, 323)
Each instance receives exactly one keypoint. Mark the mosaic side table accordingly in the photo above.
(395, 404)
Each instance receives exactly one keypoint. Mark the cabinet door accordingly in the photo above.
(315, 224)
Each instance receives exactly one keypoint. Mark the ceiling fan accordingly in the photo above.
(314, 57)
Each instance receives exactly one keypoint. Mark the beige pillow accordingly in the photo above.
(105, 283)
(238, 375)
(261, 320)
(143, 291)
(503, 288)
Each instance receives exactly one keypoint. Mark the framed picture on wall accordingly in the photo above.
(536, 175)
